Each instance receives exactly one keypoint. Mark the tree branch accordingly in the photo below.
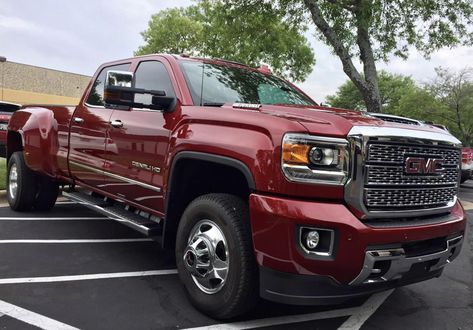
(336, 43)
(348, 5)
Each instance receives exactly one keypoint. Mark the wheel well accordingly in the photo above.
(14, 143)
(193, 177)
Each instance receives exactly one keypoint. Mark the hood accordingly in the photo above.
(337, 122)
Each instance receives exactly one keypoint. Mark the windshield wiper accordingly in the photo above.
(213, 104)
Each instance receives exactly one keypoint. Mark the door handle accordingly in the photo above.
(116, 123)
(78, 120)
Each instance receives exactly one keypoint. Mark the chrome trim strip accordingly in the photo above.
(315, 138)
(139, 199)
(400, 264)
(94, 106)
(115, 176)
(407, 133)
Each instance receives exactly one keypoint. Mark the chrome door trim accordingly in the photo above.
(116, 176)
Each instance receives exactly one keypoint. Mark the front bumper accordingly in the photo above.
(365, 259)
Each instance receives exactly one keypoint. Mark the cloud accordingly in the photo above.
(79, 36)
(12, 24)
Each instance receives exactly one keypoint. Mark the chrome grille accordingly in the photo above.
(408, 198)
(394, 153)
(394, 175)
(388, 188)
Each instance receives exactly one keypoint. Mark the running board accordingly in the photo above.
(117, 212)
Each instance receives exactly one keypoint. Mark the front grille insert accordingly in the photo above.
(408, 198)
(388, 188)
(394, 153)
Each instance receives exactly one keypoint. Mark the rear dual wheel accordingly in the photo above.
(26, 189)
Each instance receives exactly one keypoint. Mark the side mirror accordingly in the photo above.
(118, 91)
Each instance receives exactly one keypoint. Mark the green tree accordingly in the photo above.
(454, 91)
(392, 87)
(373, 30)
(212, 29)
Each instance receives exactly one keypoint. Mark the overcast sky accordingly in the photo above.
(78, 36)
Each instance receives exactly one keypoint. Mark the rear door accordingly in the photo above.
(139, 142)
(89, 132)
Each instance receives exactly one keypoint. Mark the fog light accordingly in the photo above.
(317, 242)
(312, 239)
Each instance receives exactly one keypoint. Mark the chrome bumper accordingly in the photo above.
(397, 263)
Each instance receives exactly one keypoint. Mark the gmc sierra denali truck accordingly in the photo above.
(259, 190)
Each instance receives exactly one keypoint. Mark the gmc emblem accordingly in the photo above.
(417, 165)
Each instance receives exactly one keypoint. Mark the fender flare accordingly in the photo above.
(211, 158)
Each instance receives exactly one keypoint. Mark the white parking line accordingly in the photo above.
(73, 241)
(32, 318)
(68, 278)
(467, 205)
(280, 320)
(370, 306)
(361, 311)
(51, 219)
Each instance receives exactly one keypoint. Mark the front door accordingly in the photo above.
(89, 130)
(139, 141)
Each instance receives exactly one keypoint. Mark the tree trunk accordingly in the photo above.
(367, 85)
(371, 94)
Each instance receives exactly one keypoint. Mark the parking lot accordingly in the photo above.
(72, 268)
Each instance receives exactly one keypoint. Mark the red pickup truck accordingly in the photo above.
(259, 190)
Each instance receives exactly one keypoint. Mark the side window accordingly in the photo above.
(152, 75)
(96, 93)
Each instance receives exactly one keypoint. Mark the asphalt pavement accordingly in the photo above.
(72, 268)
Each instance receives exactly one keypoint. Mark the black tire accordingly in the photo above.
(23, 197)
(239, 292)
(465, 175)
(46, 195)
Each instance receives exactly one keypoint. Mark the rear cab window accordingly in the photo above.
(152, 75)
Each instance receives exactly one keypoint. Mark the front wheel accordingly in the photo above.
(214, 256)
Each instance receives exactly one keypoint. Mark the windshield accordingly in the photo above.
(214, 84)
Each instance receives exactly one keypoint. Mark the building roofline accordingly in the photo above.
(42, 67)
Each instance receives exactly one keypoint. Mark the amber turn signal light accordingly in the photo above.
(295, 153)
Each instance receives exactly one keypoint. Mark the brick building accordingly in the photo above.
(26, 84)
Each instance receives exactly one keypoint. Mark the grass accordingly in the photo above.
(3, 173)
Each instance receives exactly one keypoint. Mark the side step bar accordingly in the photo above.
(117, 212)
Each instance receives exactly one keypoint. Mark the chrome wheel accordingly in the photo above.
(13, 181)
(206, 256)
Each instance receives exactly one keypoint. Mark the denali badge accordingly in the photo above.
(417, 165)
(147, 167)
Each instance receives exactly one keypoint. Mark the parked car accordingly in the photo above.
(257, 188)
(6, 110)
(467, 164)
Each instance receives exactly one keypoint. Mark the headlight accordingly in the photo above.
(315, 159)
(3, 126)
